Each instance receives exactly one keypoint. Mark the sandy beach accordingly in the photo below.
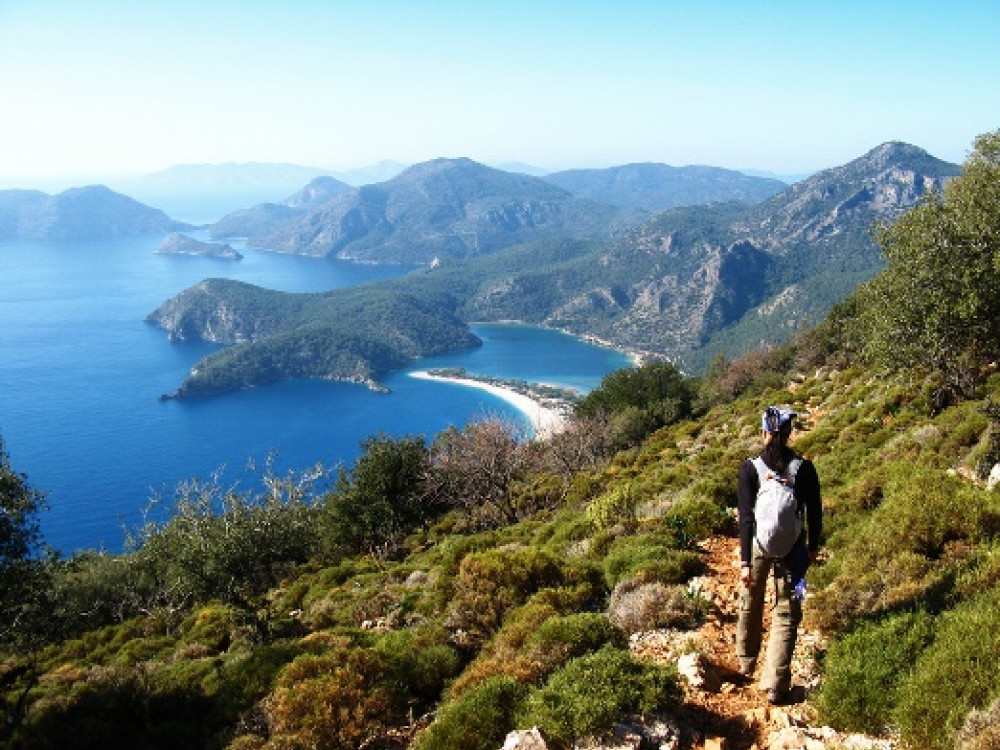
(546, 421)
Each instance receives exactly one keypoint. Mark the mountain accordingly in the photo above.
(264, 216)
(441, 208)
(655, 187)
(688, 283)
(231, 176)
(692, 279)
(378, 172)
(84, 213)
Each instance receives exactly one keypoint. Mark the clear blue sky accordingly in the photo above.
(108, 87)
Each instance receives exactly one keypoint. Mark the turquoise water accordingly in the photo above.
(80, 373)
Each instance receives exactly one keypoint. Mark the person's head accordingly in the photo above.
(776, 424)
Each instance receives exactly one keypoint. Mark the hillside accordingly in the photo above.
(78, 214)
(657, 187)
(442, 208)
(264, 216)
(436, 623)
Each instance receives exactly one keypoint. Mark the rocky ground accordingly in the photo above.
(722, 709)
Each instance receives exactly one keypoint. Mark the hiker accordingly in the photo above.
(778, 490)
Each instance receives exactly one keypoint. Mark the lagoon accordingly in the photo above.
(81, 372)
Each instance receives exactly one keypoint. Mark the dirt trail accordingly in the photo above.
(727, 711)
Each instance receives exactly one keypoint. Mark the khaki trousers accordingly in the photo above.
(785, 618)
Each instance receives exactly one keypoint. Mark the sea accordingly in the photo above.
(81, 373)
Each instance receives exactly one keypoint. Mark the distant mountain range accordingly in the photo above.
(79, 214)
(460, 208)
(441, 208)
(682, 284)
(656, 187)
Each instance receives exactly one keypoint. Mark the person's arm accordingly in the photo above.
(807, 485)
(746, 494)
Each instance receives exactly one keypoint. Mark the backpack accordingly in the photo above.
(778, 519)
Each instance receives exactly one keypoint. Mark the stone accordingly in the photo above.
(530, 739)
(994, 477)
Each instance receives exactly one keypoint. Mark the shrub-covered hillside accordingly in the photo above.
(437, 594)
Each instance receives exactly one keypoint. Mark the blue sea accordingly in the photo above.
(81, 373)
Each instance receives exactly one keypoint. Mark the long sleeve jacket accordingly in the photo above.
(806, 492)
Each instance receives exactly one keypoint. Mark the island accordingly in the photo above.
(356, 334)
(180, 244)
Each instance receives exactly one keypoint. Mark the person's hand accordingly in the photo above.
(745, 575)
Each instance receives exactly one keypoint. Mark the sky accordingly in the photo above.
(121, 87)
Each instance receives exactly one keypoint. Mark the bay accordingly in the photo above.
(81, 372)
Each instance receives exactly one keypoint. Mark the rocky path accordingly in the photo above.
(722, 709)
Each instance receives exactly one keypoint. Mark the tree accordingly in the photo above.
(640, 400)
(20, 546)
(476, 469)
(381, 499)
(937, 302)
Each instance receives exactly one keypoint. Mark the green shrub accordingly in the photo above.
(695, 518)
(647, 556)
(590, 693)
(489, 584)
(212, 626)
(478, 720)
(418, 661)
(964, 658)
(614, 507)
(863, 670)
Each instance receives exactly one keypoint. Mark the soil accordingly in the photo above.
(727, 711)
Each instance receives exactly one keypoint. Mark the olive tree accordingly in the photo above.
(21, 564)
(937, 302)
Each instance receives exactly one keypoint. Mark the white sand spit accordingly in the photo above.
(546, 421)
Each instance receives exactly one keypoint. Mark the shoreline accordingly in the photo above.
(546, 421)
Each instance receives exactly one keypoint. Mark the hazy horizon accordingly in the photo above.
(106, 89)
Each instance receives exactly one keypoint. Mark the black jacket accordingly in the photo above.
(806, 492)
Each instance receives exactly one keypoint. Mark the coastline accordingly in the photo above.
(545, 420)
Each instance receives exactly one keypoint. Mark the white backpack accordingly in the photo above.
(778, 521)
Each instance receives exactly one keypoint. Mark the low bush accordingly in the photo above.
(693, 519)
(965, 657)
(478, 720)
(489, 584)
(635, 606)
(648, 557)
(863, 670)
(981, 730)
(590, 693)
(335, 701)
(614, 507)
